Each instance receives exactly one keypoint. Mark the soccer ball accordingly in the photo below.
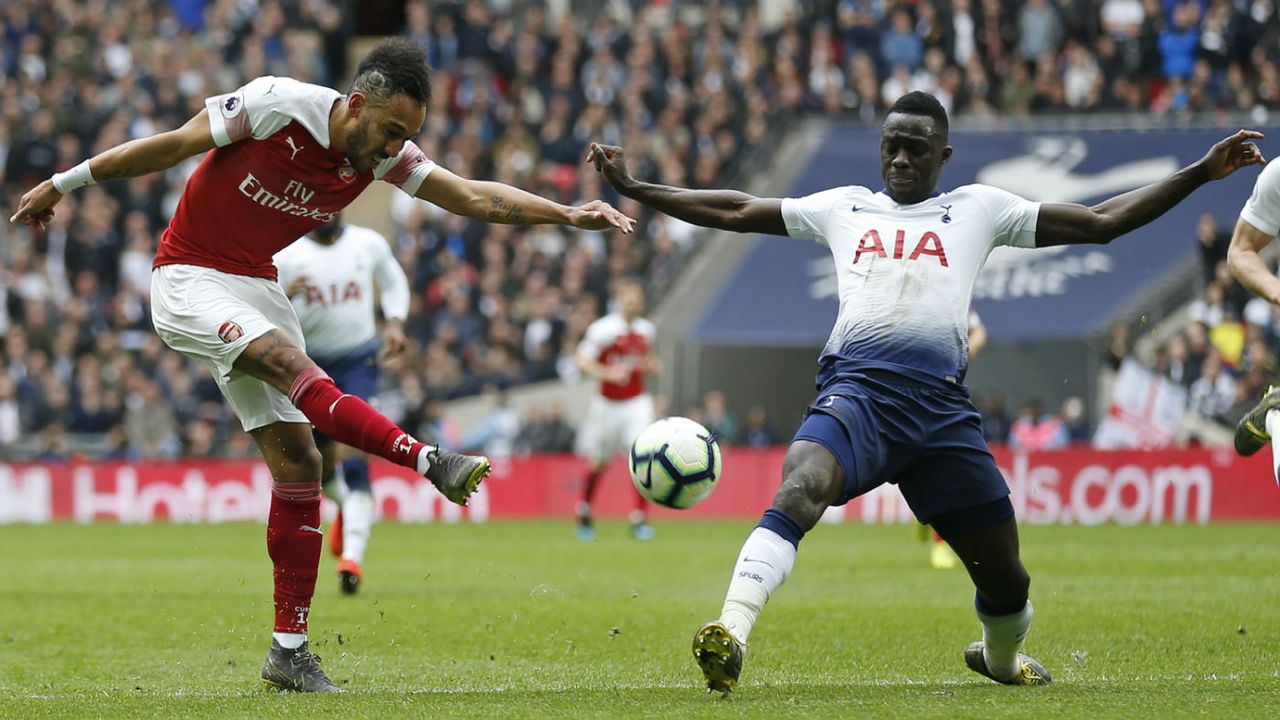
(675, 462)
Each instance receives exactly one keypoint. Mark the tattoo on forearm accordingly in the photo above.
(505, 212)
(117, 173)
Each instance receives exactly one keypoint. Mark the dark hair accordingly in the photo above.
(922, 103)
(629, 281)
(396, 66)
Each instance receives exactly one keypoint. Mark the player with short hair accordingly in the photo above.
(1258, 225)
(892, 402)
(617, 350)
(329, 276)
(284, 157)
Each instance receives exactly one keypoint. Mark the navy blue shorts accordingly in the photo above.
(356, 374)
(885, 428)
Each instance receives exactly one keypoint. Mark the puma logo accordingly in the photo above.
(289, 139)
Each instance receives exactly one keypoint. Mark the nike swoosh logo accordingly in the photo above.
(856, 208)
(335, 404)
(762, 562)
(308, 528)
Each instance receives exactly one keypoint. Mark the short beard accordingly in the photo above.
(356, 139)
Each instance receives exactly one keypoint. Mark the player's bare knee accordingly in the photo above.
(298, 466)
(805, 494)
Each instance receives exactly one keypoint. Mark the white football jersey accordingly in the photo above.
(336, 311)
(905, 273)
(1262, 209)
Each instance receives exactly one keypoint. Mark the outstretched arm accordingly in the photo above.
(1072, 224)
(131, 159)
(721, 209)
(499, 203)
(1248, 266)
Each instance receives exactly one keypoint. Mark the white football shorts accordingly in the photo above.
(612, 425)
(212, 316)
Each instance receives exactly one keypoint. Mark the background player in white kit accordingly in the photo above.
(329, 275)
(1258, 225)
(892, 405)
(617, 350)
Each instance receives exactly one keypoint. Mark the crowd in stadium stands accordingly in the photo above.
(1229, 350)
(520, 89)
(544, 429)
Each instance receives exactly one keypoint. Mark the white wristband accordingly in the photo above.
(76, 177)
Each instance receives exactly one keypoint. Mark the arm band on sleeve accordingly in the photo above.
(77, 177)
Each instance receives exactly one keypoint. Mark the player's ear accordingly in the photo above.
(946, 154)
(356, 103)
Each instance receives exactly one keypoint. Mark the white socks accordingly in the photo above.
(357, 518)
(763, 565)
(424, 462)
(1002, 638)
(1273, 429)
(290, 641)
(336, 488)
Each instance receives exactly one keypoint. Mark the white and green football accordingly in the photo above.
(675, 462)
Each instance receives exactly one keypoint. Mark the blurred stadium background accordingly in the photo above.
(1146, 344)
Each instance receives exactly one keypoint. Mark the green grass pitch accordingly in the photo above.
(520, 620)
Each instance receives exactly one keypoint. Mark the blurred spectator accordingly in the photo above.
(1034, 429)
(496, 434)
(53, 444)
(436, 427)
(1075, 421)
(757, 432)
(995, 420)
(1214, 391)
(150, 422)
(1039, 29)
(1180, 369)
(1212, 243)
(10, 412)
(717, 418)
(1118, 347)
(1179, 41)
(544, 430)
(1198, 347)
(900, 46)
(1210, 308)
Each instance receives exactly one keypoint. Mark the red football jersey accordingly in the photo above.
(611, 340)
(271, 179)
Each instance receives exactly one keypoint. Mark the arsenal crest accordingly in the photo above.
(230, 332)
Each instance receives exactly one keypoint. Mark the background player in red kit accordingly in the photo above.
(283, 158)
(618, 351)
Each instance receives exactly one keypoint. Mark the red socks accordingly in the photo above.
(351, 421)
(293, 542)
(589, 487)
